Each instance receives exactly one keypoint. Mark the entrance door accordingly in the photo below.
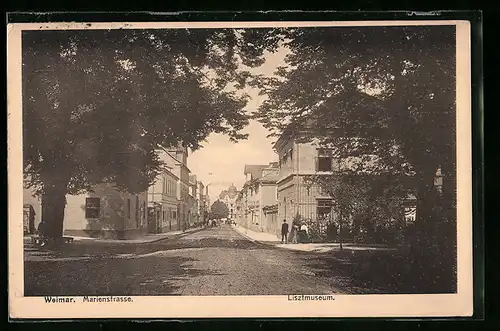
(151, 220)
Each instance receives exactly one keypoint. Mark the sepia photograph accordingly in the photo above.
(316, 164)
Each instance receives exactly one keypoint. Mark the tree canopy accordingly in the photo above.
(97, 103)
(219, 210)
(391, 88)
(383, 93)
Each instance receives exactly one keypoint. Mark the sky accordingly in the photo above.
(220, 162)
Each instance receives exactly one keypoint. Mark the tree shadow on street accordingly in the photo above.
(151, 275)
(101, 250)
(375, 272)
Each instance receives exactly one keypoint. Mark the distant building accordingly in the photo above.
(202, 201)
(105, 213)
(257, 197)
(193, 215)
(228, 197)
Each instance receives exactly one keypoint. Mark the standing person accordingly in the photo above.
(293, 233)
(304, 234)
(304, 227)
(284, 232)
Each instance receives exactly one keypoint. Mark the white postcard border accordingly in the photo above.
(416, 305)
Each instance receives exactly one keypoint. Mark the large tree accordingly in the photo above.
(387, 92)
(97, 103)
(219, 210)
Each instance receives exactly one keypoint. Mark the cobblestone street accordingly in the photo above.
(213, 261)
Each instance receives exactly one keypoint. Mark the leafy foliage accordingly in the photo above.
(97, 103)
(384, 91)
(384, 99)
(363, 206)
(219, 210)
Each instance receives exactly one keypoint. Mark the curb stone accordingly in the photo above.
(126, 242)
(257, 241)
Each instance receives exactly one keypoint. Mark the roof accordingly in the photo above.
(167, 152)
(232, 193)
(271, 178)
(170, 173)
(255, 170)
(272, 175)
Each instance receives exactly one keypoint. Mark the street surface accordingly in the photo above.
(213, 261)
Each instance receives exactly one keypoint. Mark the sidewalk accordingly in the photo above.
(148, 238)
(274, 240)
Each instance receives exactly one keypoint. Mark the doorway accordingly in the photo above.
(28, 219)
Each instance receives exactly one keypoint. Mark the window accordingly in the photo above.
(324, 161)
(92, 207)
(256, 189)
(174, 215)
(128, 208)
(323, 209)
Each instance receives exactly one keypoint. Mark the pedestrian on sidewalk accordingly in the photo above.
(284, 232)
(303, 234)
(293, 233)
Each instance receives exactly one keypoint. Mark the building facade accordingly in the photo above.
(177, 159)
(162, 204)
(202, 201)
(193, 202)
(104, 213)
(229, 197)
(254, 205)
(295, 197)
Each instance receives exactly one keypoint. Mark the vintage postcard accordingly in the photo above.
(240, 169)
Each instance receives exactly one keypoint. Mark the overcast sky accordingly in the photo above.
(224, 160)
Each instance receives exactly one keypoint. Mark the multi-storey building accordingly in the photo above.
(202, 201)
(258, 195)
(162, 203)
(297, 160)
(177, 158)
(229, 198)
(193, 202)
(298, 197)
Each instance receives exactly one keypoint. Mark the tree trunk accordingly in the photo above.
(53, 205)
(431, 252)
(340, 230)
